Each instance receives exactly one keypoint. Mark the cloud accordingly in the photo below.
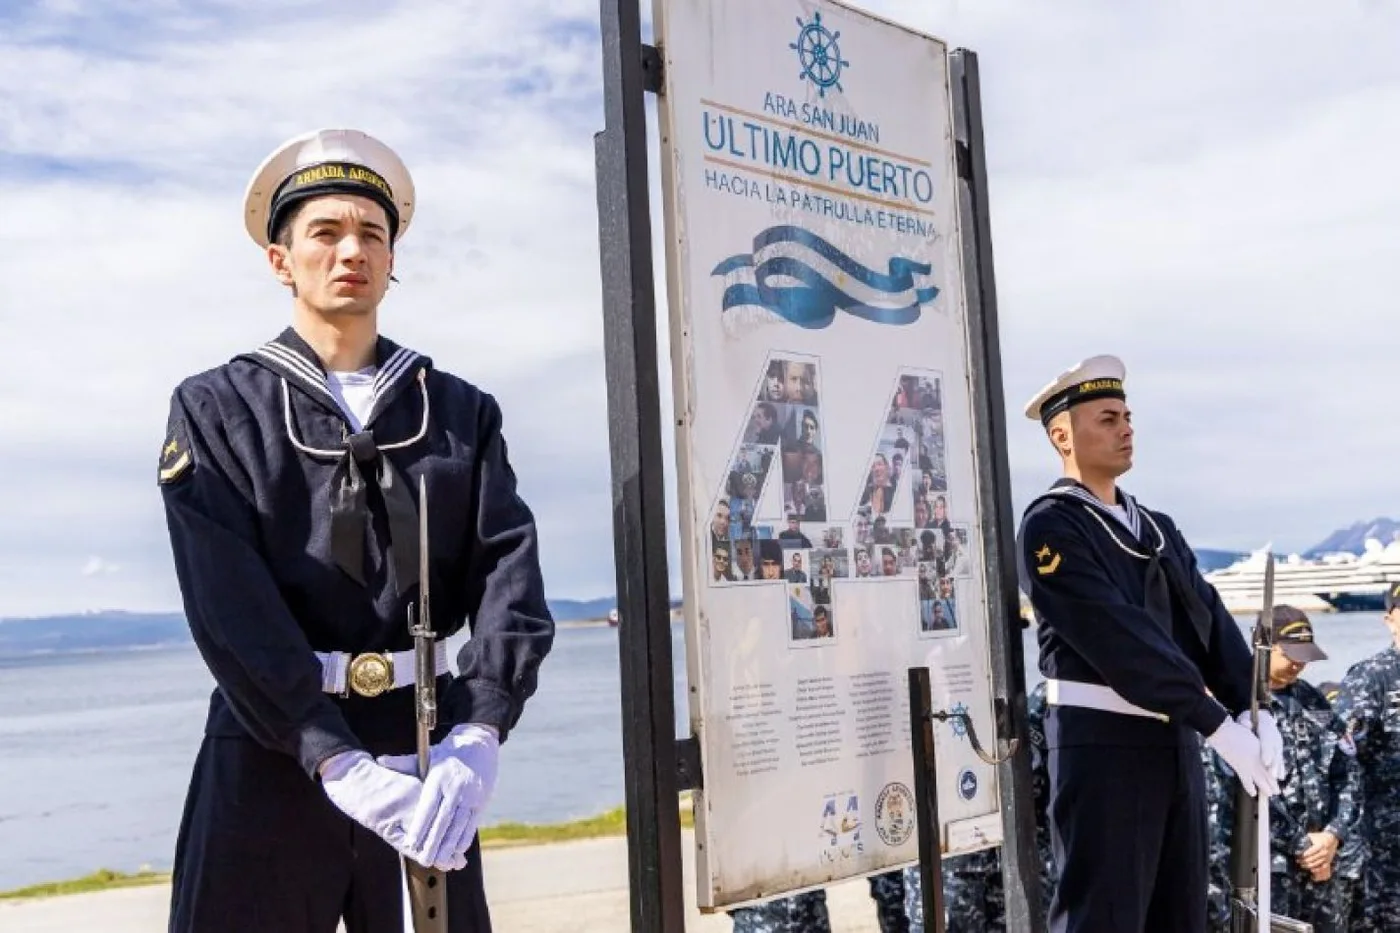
(129, 132)
(96, 565)
(1206, 192)
(1203, 190)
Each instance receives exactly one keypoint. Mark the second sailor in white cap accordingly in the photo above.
(1141, 661)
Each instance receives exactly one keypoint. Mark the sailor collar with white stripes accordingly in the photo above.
(1130, 519)
(292, 358)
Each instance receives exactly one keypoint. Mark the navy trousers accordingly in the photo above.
(1128, 828)
(262, 848)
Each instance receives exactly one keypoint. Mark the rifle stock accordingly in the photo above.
(427, 887)
(1245, 838)
(1244, 848)
(427, 898)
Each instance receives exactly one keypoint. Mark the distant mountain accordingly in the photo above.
(1353, 539)
(105, 631)
(94, 632)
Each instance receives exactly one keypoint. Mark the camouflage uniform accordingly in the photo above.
(1040, 790)
(1348, 874)
(1320, 792)
(1348, 869)
(1218, 837)
(801, 913)
(973, 895)
(807, 913)
(887, 891)
(973, 892)
(1369, 704)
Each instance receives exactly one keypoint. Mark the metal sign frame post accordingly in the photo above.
(926, 799)
(1019, 858)
(651, 755)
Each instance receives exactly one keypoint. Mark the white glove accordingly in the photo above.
(379, 799)
(1270, 742)
(461, 777)
(1240, 749)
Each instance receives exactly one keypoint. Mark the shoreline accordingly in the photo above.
(12, 654)
(505, 835)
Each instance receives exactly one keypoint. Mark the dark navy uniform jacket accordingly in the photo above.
(1130, 611)
(285, 544)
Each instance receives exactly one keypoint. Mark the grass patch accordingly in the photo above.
(609, 823)
(101, 880)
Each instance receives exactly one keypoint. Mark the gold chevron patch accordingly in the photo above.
(175, 456)
(172, 472)
(1048, 561)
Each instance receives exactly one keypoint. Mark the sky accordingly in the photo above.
(1206, 190)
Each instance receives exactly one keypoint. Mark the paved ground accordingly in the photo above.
(577, 886)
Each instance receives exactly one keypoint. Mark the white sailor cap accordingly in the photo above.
(1096, 377)
(322, 162)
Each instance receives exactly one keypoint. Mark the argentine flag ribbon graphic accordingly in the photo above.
(793, 273)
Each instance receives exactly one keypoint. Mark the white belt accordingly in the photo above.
(373, 673)
(1094, 696)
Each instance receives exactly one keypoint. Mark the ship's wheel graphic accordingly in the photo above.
(819, 54)
(959, 726)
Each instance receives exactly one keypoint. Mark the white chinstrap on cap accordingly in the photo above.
(335, 147)
(1088, 374)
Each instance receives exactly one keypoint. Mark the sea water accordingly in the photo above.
(96, 749)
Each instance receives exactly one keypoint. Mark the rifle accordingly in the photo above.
(427, 888)
(1250, 853)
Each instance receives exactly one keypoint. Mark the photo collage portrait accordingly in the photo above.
(902, 525)
(771, 523)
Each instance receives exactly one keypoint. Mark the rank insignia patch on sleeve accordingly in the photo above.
(175, 456)
(1046, 561)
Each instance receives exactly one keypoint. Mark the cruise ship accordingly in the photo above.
(1341, 582)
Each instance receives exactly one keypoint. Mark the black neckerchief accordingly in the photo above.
(291, 358)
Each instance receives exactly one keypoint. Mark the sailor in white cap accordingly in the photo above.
(1141, 660)
(288, 478)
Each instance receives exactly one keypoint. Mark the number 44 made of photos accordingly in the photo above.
(773, 521)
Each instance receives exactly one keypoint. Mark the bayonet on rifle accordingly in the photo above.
(427, 887)
(1249, 843)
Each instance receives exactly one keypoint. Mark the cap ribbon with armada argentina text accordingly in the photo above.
(1094, 378)
(328, 161)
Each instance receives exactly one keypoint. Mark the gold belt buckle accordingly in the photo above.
(370, 674)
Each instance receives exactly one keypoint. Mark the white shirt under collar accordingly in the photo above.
(354, 393)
